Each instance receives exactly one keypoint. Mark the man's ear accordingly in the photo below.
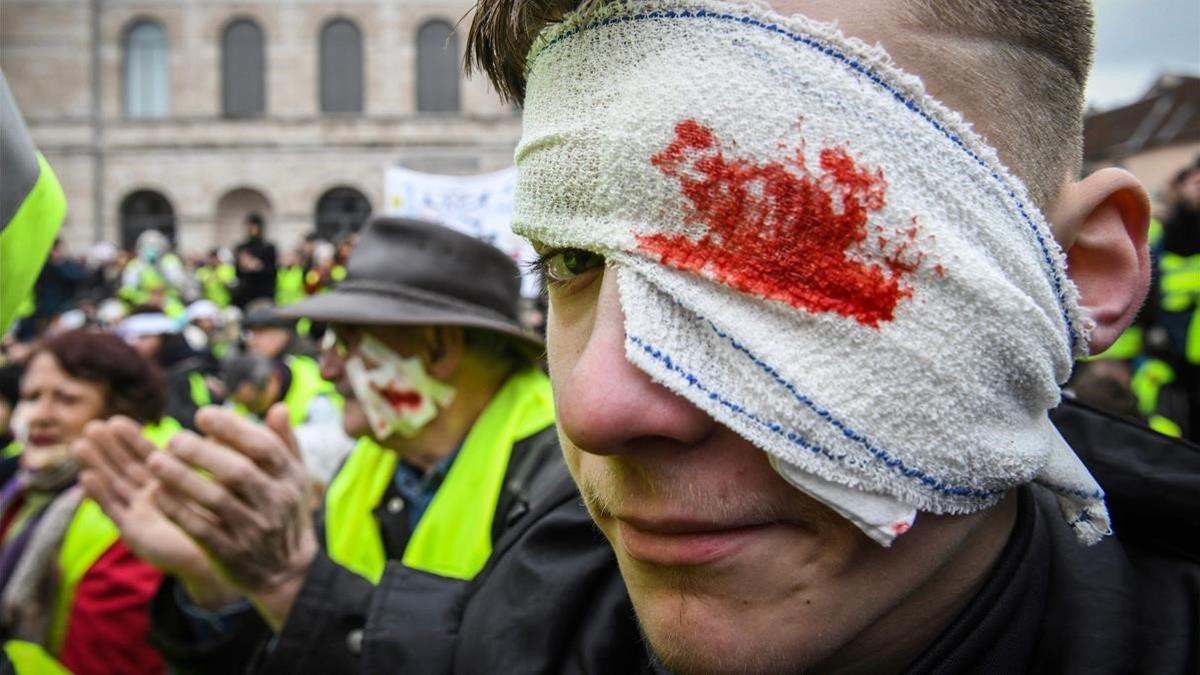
(445, 352)
(1101, 222)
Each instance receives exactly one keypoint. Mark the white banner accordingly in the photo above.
(480, 206)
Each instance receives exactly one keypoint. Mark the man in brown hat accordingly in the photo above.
(455, 427)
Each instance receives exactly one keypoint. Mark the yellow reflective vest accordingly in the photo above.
(32, 209)
(307, 384)
(89, 535)
(1179, 281)
(454, 536)
(215, 283)
(289, 285)
(29, 658)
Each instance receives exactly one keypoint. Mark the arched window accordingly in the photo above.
(243, 70)
(341, 210)
(232, 209)
(147, 82)
(341, 67)
(437, 68)
(145, 210)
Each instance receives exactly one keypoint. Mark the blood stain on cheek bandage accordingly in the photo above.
(778, 230)
(401, 399)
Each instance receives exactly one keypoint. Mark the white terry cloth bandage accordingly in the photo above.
(813, 251)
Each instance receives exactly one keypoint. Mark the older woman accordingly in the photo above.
(67, 582)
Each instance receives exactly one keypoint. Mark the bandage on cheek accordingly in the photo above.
(396, 393)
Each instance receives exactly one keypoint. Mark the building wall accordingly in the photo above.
(194, 156)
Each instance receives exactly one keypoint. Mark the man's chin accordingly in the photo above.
(689, 634)
(743, 614)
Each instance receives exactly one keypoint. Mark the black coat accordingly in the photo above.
(345, 598)
(551, 599)
(255, 284)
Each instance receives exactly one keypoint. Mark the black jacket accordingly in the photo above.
(551, 599)
(255, 284)
(344, 598)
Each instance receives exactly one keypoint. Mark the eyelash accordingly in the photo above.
(541, 266)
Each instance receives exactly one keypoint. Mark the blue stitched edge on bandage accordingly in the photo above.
(798, 440)
(858, 67)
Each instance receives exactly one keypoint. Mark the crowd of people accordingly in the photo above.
(797, 407)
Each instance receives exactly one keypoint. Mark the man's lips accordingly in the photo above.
(684, 543)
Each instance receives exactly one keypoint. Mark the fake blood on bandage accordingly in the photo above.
(777, 230)
(401, 399)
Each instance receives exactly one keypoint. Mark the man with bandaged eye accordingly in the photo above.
(454, 422)
(811, 303)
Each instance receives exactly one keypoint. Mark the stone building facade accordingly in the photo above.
(188, 114)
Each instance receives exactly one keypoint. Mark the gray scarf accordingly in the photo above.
(29, 598)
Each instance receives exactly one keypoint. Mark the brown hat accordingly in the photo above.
(413, 273)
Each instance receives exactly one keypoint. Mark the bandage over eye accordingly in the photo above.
(813, 251)
(395, 392)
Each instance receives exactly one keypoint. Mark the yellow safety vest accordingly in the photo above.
(32, 209)
(1179, 281)
(307, 384)
(1148, 381)
(29, 658)
(215, 283)
(198, 389)
(89, 536)
(1165, 426)
(289, 285)
(161, 432)
(454, 536)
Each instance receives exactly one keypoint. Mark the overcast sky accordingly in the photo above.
(1138, 39)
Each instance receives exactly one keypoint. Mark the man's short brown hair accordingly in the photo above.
(1033, 113)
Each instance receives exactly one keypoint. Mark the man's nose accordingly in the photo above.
(606, 405)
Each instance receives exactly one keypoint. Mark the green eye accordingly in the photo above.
(562, 266)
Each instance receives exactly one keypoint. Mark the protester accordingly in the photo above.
(289, 281)
(454, 428)
(10, 395)
(763, 282)
(216, 279)
(155, 277)
(804, 332)
(325, 271)
(104, 276)
(157, 338)
(1179, 290)
(69, 584)
(255, 383)
(255, 260)
(273, 336)
(59, 283)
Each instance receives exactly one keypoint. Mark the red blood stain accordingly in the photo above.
(400, 399)
(900, 528)
(778, 230)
